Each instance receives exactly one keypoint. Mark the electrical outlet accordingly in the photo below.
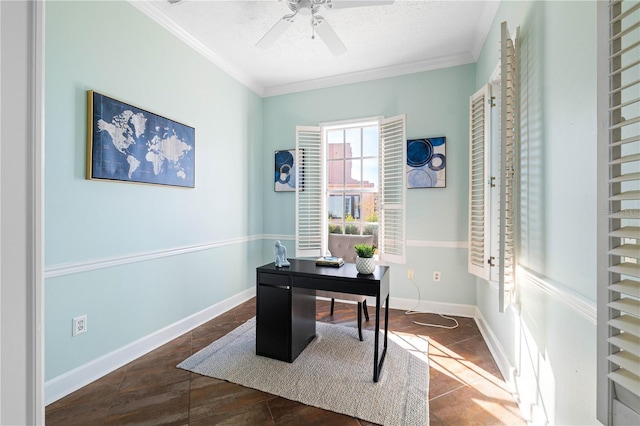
(409, 274)
(436, 276)
(79, 325)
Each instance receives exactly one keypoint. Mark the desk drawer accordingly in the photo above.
(353, 286)
(273, 279)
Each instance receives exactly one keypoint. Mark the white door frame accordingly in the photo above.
(21, 212)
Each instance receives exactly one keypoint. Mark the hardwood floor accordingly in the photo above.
(466, 387)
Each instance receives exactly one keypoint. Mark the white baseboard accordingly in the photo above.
(496, 350)
(454, 309)
(73, 380)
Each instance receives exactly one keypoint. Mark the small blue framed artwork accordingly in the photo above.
(130, 144)
(285, 171)
(426, 163)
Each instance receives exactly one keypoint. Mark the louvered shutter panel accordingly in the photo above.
(392, 189)
(509, 140)
(309, 192)
(479, 182)
(624, 211)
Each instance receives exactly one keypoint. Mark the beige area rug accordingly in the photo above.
(335, 372)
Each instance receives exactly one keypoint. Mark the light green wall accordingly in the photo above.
(115, 49)
(436, 104)
(550, 343)
(236, 134)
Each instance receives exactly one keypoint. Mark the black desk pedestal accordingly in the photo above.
(284, 326)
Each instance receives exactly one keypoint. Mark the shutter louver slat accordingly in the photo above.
(623, 88)
(626, 360)
(626, 342)
(627, 323)
(625, 214)
(627, 305)
(625, 50)
(630, 287)
(626, 13)
(626, 379)
(627, 250)
(625, 104)
(627, 177)
(620, 71)
(626, 159)
(631, 269)
(625, 31)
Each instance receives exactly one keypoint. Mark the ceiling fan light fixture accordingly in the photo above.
(318, 24)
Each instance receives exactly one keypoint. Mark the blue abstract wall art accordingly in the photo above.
(426, 163)
(285, 171)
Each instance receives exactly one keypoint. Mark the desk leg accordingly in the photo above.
(377, 366)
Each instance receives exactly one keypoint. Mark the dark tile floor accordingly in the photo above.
(466, 387)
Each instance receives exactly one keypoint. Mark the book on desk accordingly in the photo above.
(336, 262)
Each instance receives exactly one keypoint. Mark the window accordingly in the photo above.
(492, 213)
(618, 276)
(352, 179)
(353, 183)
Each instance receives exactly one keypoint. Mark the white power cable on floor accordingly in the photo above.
(413, 312)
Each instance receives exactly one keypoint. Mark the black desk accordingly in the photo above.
(286, 305)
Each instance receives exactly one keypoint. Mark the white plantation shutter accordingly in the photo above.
(509, 141)
(622, 275)
(392, 188)
(479, 183)
(309, 192)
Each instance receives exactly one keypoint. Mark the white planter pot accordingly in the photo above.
(365, 265)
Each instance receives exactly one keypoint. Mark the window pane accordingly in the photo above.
(334, 207)
(353, 143)
(335, 227)
(370, 173)
(335, 144)
(370, 139)
(352, 228)
(370, 207)
(371, 230)
(352, 206)
(354, 173)
(335, 174)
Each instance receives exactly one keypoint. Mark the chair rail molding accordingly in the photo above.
(583, 306)
(78, 267)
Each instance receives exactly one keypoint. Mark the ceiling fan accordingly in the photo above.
(318, 24)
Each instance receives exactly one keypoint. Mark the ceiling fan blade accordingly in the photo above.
(343, 4)
(276, 31)
(328, 36)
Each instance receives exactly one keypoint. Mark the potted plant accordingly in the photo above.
(365, 263)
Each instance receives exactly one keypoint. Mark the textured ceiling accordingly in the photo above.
(404, 37)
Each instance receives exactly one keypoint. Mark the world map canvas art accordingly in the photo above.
(130, 144)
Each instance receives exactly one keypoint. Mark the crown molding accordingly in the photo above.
(483, 26)
(368, 75)
(152, 11)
